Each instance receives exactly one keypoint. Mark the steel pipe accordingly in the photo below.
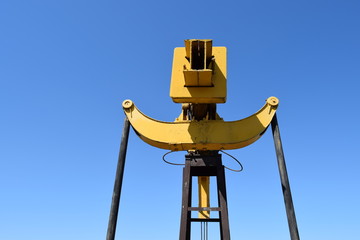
(290, 211)
(118, 182)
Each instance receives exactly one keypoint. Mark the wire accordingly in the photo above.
(206, 231)
(201, 232)
(176, 164)
(241, 166)
(182, 164)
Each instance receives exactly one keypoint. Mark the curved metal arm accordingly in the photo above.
(201, 135)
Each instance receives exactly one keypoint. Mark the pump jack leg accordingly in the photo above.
(290, 211)
(118, 182)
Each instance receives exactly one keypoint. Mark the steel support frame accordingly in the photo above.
(204, 164)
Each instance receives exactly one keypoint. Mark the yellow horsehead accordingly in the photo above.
(199, 82)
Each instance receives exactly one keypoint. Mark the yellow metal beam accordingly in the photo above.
(199, 56)
(201, 135)
(204, 195)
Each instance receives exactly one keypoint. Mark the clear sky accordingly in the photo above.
(66, 66)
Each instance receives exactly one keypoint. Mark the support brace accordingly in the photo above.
(204, 164)
(118, 182)
(290, 211)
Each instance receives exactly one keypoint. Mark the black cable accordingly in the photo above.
(177, 164)
(182, 164)
(241, 166)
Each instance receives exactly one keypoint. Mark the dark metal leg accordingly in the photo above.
(185, 223)
(222, 198)
(118, 182)
(188, 233)
(290, 211)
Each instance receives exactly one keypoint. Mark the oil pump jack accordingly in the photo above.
(198, 82)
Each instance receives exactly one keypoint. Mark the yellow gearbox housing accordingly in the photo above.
(199, 73)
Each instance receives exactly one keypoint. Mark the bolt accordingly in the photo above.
(127, 103)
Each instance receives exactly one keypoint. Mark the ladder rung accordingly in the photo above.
(205, 219)
(204, 209)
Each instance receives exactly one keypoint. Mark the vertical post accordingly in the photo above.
(185, 223)
(290, 211)
(222, 198)
(118, 182)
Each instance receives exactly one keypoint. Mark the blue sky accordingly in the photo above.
(66, 66)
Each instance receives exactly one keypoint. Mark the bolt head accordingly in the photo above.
(273, 101)
(127, 103)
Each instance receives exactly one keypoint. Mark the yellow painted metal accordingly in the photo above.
(198, 78)
(201, 135)
(199, 55)
(204, 195)
(199, 73)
